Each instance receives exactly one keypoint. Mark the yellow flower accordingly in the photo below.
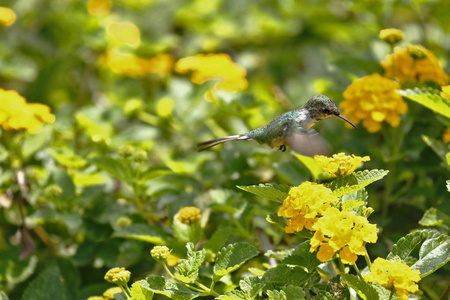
(305, 205)
(407, 69)
(446, 135)
(172, 260)
(16, 113)
(98, 8)
(109, 293)
(394, 274)
(118, 276)
(124, 33)
(392, 35)
(342, 231)
(7, 16)
(340, 164)
(160, 253)
(373, 99)
(230, 75)
(131, 65)
(445, 92)
(188, 214)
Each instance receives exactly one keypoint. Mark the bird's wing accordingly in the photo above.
(306, 141)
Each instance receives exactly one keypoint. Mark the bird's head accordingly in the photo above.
(321, 107)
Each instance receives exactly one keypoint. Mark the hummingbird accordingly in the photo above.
(292, 128)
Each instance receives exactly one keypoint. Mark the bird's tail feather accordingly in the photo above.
(214, 142)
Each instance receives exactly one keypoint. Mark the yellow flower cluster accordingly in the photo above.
(394, 274)
(109, 293)
(392, 35)
(305, 204)
(124, 33)
(16, 113)
(188, 214)
(7, 16)
(118, 276)
(373, 99)
(204, 67)
(342, 231)
(98, 8)
(446, 135)
(445, 92)
(340, 164)
(132, 65)
(402, 66)
(160, 253)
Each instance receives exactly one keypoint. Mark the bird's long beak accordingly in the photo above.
(347, 120)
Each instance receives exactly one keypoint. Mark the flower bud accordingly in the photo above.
(53, 191)
(188, 215)
(416, 51)
(140, 156)
(391, 35)
(126, 151)
(160, 253)
(118, 276)
(123, 222)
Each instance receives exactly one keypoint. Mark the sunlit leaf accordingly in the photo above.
(232, 257)
(274, 192)
(429, 98)
(355, 181)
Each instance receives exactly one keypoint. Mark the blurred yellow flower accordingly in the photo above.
(394, 274)
(340, 164)
(188, 214)
(172, 260)
(98, 8)
(392, 35)
(446, 135)
(124, 33)
(445, 92)
(342, 231)
(305, 204)
(109, 293)
(131, 65)
(417, 52)
(373, 99)
(407, 69)
(230, 75)
(119, 276)
(7, 16)
(16, 113)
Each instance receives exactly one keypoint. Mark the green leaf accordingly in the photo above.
(302, 257)
(142, 232)
(173, 290)
(274, 192)
(282, 275)
(233, 295)
(185, 233)
(140, 293)
(438, 147)
(433, 254)
(434, 217)
(276, 295)
(428, 97)
(3, 296)
(50, 284)
(232, 257)
(187, 269)
(114, 167)
(294, 292)
(154, 173)
(355, 181)
(219, 238)
(311, 164)
(364, 289)
(252, 286)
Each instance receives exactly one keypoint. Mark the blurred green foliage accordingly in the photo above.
(124, 146)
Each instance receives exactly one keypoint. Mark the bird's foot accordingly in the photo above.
(283, 148)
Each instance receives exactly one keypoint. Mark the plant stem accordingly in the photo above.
(367, 258)
(341, 266)
(357, 271)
